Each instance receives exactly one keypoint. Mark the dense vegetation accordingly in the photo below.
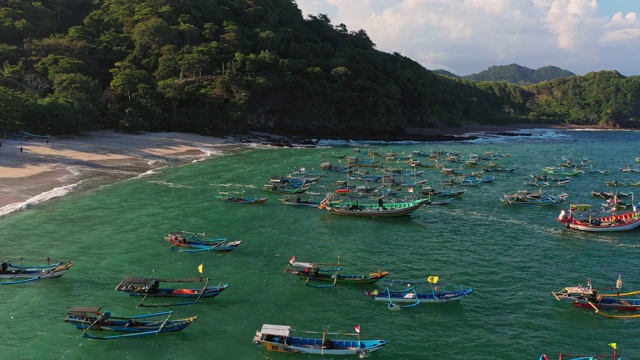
(221, 66)
(605, 98)
(514, 74)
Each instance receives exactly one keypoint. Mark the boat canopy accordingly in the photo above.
(276, 330)
(85, 309)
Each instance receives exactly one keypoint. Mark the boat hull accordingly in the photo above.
(181, 293)
(620, 222)
(130, 325)
(54, 271)
(316, 346)
(339, 278)
(375, 212)
(410, 297)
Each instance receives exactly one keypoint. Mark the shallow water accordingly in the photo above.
(511, 256)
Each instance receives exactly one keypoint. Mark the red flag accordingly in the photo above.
(293, 259)
(357, 327)
(410, 189)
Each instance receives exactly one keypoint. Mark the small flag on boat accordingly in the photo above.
(357, 327)
(410, 189)
(200, 267)
(292, 260)
(614, 346)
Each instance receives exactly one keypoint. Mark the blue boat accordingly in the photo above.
(613, 356)
(278, 338)
(194, 242)
(410, 297)
(228, 198)
(16, 272)
(90, 319)
(527, 198)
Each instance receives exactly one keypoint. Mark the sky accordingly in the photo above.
(468, 36)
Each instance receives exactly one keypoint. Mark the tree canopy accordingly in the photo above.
(222, 66)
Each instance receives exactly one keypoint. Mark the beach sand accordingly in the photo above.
(35, 170)
(33, 167)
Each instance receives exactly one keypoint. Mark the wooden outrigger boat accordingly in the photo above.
(613, 356)
(194, 236)
(15, 272)
(527, 198)
(590, 298)
(197, 246)
(609, 195)
(299, 201)
(614, 222)
(438, 202)
(442, 192)
(380, 209)
(279, 338)
(410, 297)
(195, 242)
(228, 198)
(90, 319)
(329, 272)
(499, 169)
(150, 287)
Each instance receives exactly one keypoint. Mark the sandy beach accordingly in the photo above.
(30, 168)
(36, 170)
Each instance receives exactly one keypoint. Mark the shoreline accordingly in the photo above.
(36, 170)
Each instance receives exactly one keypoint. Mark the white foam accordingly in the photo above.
(171, 185)
(47, 195)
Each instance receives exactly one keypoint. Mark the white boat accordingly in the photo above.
(279, 338)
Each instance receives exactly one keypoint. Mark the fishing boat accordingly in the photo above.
(613, 356)
(410, 297)
(279, 338)
(527, 198)
(611, 222)
(150, 287)
(231, 199)
(590, 298)
(499, 169)
(90, 319)
(444, 192)
(197, 246)
(615, 183)
(194, 236)
(300, 201)
(379, 209)
(438, 202)
(329, 272)
(15, 271)
(609, 195)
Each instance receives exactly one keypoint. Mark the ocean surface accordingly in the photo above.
(512, 257)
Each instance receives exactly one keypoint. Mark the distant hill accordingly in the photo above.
(514, 74)
(445, 73)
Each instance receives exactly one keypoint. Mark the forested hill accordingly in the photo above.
(222, 66)
(520, 75)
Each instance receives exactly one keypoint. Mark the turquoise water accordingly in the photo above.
(511, 256)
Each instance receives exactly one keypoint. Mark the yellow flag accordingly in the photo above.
(614, 345)
(200, 268)
(433, 279)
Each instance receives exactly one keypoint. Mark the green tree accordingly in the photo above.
(131, 123)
